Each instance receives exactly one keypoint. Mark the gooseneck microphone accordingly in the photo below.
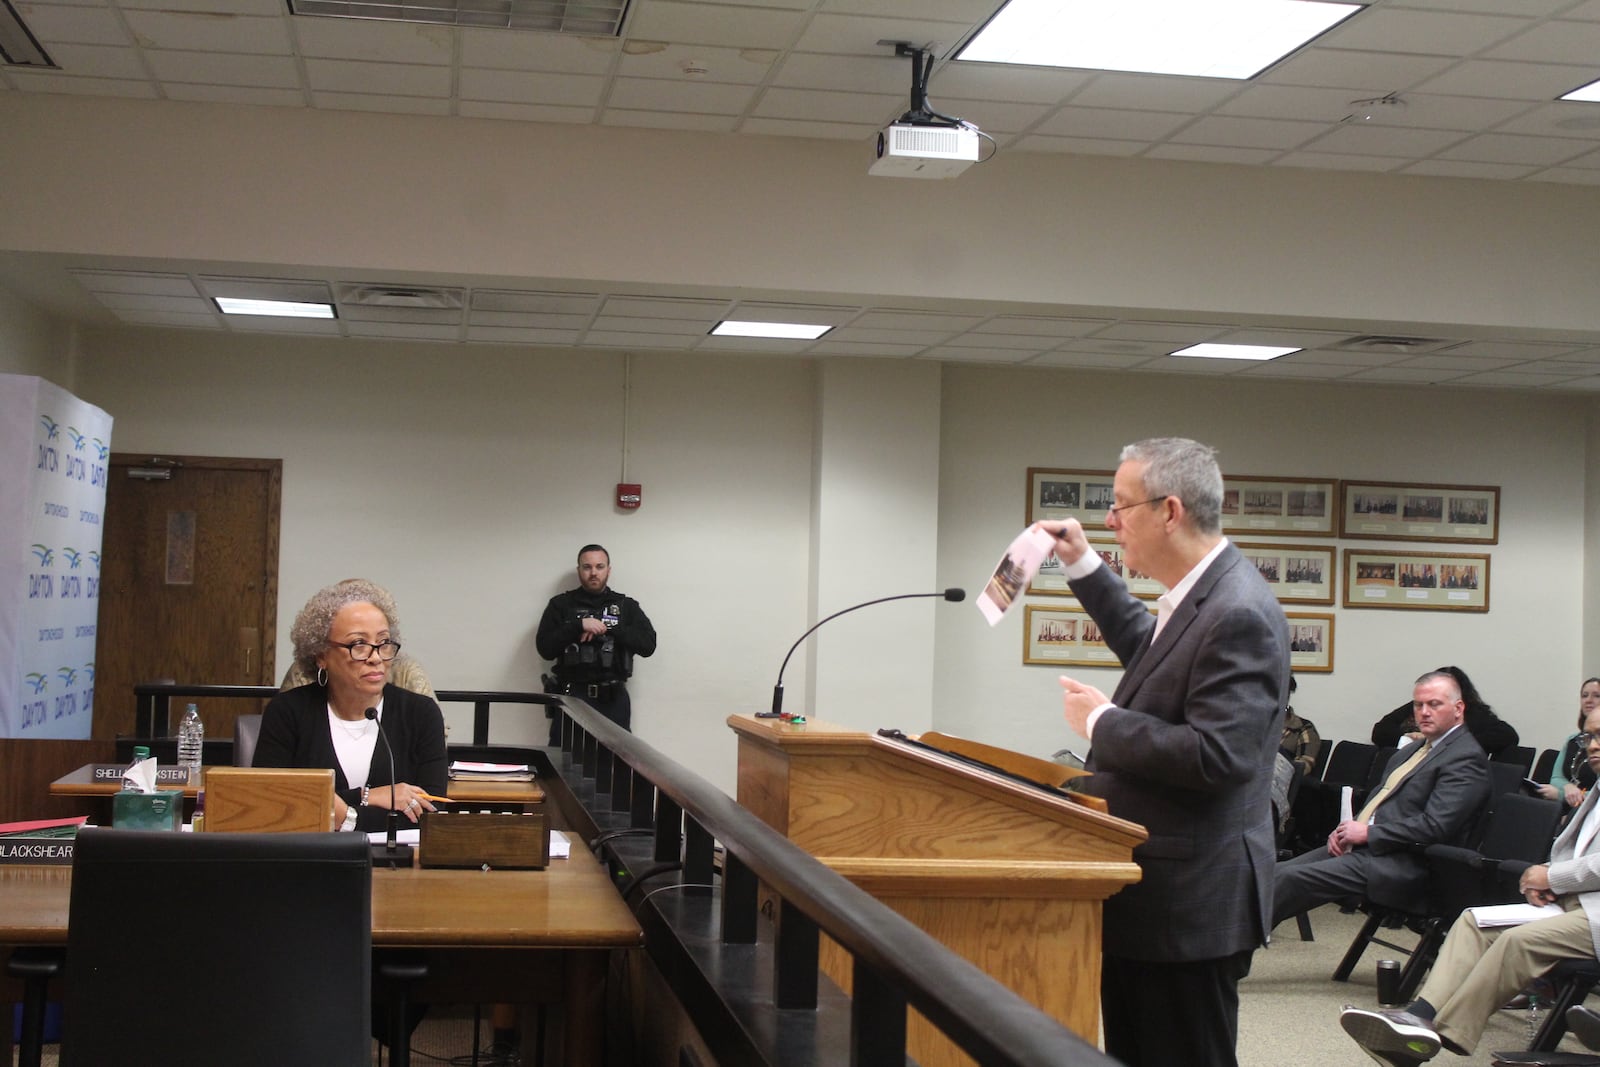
(953, 595)
(390, 843)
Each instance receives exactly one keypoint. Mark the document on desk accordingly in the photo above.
(1497, 915)
(412, 836)
(468, 771)
(560, 845)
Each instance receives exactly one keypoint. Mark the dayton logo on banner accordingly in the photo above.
(54, 452)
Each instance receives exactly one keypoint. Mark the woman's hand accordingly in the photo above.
(411, 801)
(1548, 792)
(1574, 795)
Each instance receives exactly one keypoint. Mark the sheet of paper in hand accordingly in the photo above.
(1015, 570)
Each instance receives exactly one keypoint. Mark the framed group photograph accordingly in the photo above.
(1295, 507)
(1061, 494)
(1427, 581)
(1052, 579)
(1300, 574)
(1310, 642)
(1397, 511)
(1064, 637)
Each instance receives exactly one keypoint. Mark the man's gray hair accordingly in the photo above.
(1177, 466)
(309, 634)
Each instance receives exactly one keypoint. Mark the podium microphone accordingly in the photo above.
(952, 594)
(391, 847)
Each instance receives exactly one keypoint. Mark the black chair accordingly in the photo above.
(263, 956)
(1316, 809)
(1517, 832)
(1544, 766)
(1324, 746)
(1573, 980)
(1520, 755)
(1507, 777)
(33, 967)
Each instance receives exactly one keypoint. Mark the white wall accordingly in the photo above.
(1525, 654)
(33, 343)
(465, 477)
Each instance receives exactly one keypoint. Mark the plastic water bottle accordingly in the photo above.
(191, 732)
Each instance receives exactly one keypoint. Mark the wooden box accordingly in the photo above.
(483, 839)
(268, 800)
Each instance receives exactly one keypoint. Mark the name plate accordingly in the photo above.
(112, 772)
(484, 839)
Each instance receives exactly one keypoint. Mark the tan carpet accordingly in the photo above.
(1289, 1006)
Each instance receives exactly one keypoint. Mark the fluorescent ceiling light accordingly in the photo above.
(788, 331)
(1221, 351)
(1590, 92)
(1198, 38)
(293, 309)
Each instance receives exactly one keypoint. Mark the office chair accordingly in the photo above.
(246, 732)
(263, 955)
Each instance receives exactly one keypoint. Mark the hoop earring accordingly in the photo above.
(322, 676)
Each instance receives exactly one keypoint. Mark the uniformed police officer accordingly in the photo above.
(592, 633)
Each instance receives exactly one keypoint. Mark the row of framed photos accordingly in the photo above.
(1307, 574)
(1299, 507)
(1067, 637)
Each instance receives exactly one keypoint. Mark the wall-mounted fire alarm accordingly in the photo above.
(628, 495)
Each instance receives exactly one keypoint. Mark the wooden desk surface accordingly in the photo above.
(81, 783)
(570, 904)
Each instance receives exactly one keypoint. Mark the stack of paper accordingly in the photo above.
(1513, 914)
(467, 771)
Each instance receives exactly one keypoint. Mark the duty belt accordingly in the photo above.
(591, 690)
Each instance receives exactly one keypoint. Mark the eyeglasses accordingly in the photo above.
(362, 650)
(1585, 740)
(1118, 508)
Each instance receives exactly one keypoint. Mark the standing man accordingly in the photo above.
(592, 633)
(1432, 794)
(1185, 746)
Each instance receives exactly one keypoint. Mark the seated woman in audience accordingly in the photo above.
(1490, 731)
(347, 639)
(1571, 776)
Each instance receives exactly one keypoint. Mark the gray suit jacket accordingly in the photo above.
(1572, 873)
(1188, 753)
(1437, 803)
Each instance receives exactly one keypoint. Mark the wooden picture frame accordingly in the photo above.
(1052, 579)
(1416, 581)
(1298, 574)
(1417, 511)
(1312, 632)
(1282, 507)
(1069, 494)
(1063, 637)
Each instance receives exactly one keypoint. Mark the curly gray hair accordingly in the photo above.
(309, 635)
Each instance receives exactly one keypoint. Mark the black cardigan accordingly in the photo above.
(294, 733)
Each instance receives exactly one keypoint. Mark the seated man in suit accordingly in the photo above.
(1432, 791)
(1479, 970)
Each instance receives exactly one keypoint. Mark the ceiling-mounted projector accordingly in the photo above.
(923, 143)
(908, 150)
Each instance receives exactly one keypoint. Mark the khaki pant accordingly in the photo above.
(1479, 970)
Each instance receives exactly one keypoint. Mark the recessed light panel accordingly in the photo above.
(292, 309)
(1590, 92)
(1222, 351)
(787, 331)
(1198, 38)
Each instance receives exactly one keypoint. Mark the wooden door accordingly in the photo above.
(189, 583)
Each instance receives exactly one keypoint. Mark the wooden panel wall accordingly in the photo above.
(28, 766)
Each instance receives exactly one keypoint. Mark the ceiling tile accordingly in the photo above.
(249, 95)
(414, 105)
(1155, 92)
(1115, 125)
(1506, 80)
(896, 319)
(829, 347)
(742, 66)
(96, 281)
(1458, 168)
(35, 81)
(1370, 73)
(525, 87)
(372, 41)
(1278, 368)
(1369, 140)
(97, 61)
(624, 339)
(54, 24)
(815, 105)
(1576, 43)
(859, 35)
(668, 120)
(1422, 32)
(1334, 161)
(737, 27)
(247, 35)
(1212, 153)
(1248, 133)
(1101, 360)
(651, 94)
(836, 131)
(1568, 175)
(348, 76)
(514, 335)
(989, 81)
(1088, 146)
(526, 50)
(216, 68)
(498, 109)
(1513, 148)
(860, 74)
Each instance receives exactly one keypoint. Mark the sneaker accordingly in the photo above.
(1585, 1025)
(1391, 1037)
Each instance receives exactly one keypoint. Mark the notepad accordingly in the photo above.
(1498, 915)
(468, 771)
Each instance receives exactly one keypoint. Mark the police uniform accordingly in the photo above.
(595, 671)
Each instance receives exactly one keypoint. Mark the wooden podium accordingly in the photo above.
(1010, 876)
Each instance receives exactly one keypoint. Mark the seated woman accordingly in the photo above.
(1571, 776)
(345, 637)
(404, 671)
(1490, 731)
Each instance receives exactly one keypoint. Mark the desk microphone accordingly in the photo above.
(390, 843)
(953, 595)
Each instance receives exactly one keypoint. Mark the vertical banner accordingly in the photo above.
(54, 453)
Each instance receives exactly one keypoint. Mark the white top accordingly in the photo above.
(353, 745)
